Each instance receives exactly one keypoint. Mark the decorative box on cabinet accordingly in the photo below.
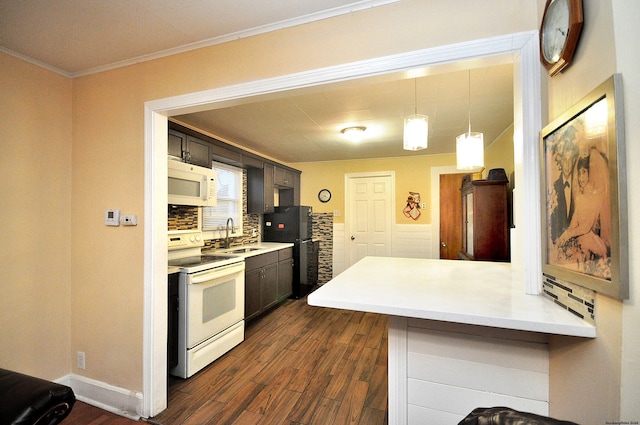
(485, 220)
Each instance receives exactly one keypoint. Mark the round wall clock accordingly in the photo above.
(559, 33)
(324, 195)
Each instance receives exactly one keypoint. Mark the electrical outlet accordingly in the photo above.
(81, 360)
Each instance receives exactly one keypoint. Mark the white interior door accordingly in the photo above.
(369, 215)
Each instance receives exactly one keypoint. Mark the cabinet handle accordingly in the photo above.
(353, 238)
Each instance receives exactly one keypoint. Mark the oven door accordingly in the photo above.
(214, 301)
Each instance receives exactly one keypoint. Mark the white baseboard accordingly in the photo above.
(107, 397)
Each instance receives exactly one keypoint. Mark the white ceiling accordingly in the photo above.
(78, 37)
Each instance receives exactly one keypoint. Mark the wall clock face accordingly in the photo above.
(324, 195)
(559, 33)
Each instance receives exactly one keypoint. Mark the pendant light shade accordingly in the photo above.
(416, 127)
(470, 151)
(470, 146)
(416, 132)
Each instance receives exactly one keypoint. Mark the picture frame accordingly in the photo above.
(584, 195)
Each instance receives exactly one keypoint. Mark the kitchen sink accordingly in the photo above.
(244, 250)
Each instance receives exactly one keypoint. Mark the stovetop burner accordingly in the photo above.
(184, 252)
(199, 260)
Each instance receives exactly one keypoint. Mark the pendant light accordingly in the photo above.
(470, 146)
(416, 127)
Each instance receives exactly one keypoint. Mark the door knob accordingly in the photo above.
(353, 238)
(442, 244)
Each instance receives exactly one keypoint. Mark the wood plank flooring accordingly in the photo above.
(298, 365)
(85, 414)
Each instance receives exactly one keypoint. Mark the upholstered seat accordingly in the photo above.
(26, 400)
(507, 416)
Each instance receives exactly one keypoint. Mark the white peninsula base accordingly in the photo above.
(461, 335)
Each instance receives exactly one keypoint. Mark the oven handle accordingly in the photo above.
(214, 273)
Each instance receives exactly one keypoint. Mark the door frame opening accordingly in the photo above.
(521, 49)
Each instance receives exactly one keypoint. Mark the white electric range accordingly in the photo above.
(211, 302)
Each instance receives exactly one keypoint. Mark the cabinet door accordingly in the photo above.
(282, 177)
(177, 144)
(198, 152)
(260, 198)
(269, 286)
(290, 196)
(469, 223)
(252, 304)
(285, 278)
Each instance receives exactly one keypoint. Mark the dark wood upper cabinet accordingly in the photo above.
(260, 189)
(263, 176)
(191, 149)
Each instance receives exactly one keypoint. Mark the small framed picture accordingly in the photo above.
(585, 235)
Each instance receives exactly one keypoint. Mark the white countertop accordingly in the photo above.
(471, 292)
(257, 249)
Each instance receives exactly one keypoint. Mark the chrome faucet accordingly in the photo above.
(226, 239)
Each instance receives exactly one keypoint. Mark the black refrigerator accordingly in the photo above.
(294, 224)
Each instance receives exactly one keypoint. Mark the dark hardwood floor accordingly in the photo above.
(298, 365)
(85, 414)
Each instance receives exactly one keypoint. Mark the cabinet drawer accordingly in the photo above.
(285, 253)
(258, 261)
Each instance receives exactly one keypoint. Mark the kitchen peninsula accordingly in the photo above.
(462, 334)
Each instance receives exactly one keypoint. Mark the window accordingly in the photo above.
(229, 202)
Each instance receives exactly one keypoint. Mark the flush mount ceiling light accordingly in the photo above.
(355, 134)
(416, 127)
(470, 146)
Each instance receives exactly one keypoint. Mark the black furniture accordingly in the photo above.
(26, 400)
(507, 416)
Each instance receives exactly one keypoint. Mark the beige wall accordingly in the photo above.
(108, 147)
(35, 183)
(413, 174)
(597, 381)
(103, 267)
(499, 154)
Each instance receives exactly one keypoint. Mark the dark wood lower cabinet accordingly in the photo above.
(285, 273)
(268, 281)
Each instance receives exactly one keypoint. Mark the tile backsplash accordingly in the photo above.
(573, 298)
(182, 217)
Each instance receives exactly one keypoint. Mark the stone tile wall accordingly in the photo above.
(323, 232)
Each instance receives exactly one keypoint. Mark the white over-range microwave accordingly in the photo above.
(192, 185)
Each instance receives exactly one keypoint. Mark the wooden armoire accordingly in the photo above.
(485, 220)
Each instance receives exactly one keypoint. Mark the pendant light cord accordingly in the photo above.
(415, 96)
(469, 101)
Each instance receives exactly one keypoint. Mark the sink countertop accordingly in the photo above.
(470, 292)
(261, 248)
